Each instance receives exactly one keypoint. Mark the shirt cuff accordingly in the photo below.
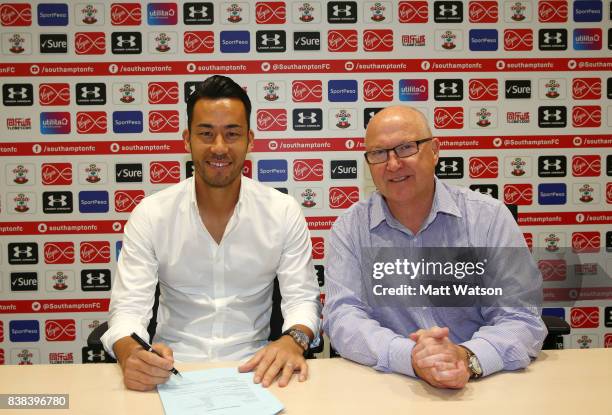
(117, 331)
(400, 356)
(490, 360)
(307, 315)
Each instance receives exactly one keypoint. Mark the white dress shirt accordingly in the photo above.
(216, 299)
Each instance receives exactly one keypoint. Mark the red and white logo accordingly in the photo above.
(272, 119)
(1, 356)
(551, 11)
(1, 331)
(342, 41)
(247, 169)
(448, 117)
(270, 12)
(165, 172)
(95, 252)
(127, 200)
(56, 174)
(518, 194)
(584, 317)
(608, 192)
(378, 90)
(60, 330)
(15, 14)
(518, 39)
(126, 14)
(413, 12)
(163, 93)
(307, 170)
(378, 40)
(586, 242)
(343, 197)
(484, 167)
(586, 166)
(528, 236)
(318, 247)
(59, 252)
(483, 11)
(586, 88)
(166, 121)
(553, 269)
(307, 91)
(54, 94)
(90, 43)
(91, 122)
(608, 340)
(199, 42)
(483, 89)
(586, 116)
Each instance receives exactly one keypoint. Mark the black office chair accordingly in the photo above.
(276, 326)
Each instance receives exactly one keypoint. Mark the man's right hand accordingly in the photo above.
(143, 370)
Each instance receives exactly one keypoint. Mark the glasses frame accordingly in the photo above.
(394, 149)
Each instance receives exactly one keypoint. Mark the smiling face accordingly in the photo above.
(219, 141)
(405, 181)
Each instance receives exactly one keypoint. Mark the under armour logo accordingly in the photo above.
(453, 166)
(100, 278)
(93, 356)
(23, 93)
(131, 41)
(443, 88)
(53, 201)
(312, 118)
(548, 165)
(452, 10)
(485, 191)
(90, 93)
(557, 37)
(337, 10)
(556, 115)
(265, 39)
(17, 253)
(202, 12)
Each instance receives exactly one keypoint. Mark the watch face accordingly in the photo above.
(475, 365)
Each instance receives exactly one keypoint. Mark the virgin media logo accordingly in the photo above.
(342, 40)
(378, 90)
(59, 252)
(586, 166)
(163, 93)
(378, 40)
(413, 12)
(483, 11)
(165, 172)
(307, 91)
(163, 121)
(483, 89)
(318, 247)
(550, 11)
(586, 116)
(484, 167)
(584, 317)
(553, 269)
(60, 330)
(308, 170)
(199, 42)
(127, 200)
(343, 197)
(56, 174)
(586, 88)
(270, 12)
(272, 120)
(126, 14)
(95, 252)
(448, 117)
(518, 39)
(54, 94)
(90, 43)
(15, 14)
(586, 242)
(518, 194)
(92, 122)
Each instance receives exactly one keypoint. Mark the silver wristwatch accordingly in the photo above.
(473, 364)
(299, 337)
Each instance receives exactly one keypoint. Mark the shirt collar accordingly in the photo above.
(442, 203)
(244, 182)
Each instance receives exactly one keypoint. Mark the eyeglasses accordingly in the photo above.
(402, 151)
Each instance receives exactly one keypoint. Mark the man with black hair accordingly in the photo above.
(215, 242)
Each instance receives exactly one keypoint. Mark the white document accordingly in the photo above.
(217, 391)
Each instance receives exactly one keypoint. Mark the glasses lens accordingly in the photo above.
(406, 150)
(379, 156)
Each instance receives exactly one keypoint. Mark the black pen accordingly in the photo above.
(149, 348)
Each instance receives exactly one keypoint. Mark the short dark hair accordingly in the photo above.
(217, 87)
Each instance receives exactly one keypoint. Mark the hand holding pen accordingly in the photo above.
(149, 348)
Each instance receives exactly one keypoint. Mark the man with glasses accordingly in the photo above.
(445, 346)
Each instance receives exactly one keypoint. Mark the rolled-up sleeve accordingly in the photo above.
(297, 280)
(133, 289)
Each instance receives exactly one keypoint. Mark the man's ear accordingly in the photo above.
(435, 148)
(187, 140)
(251, 141)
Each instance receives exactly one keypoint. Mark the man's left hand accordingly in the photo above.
(282, 356)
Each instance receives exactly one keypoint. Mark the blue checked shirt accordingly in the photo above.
(501, 337)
